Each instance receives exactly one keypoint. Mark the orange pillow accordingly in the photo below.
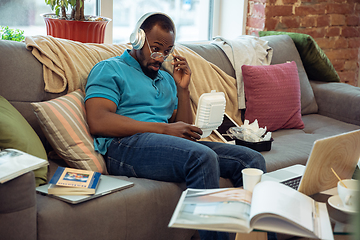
(272, 95)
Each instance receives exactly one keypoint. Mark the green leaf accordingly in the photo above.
(12, 34)
(57, 10)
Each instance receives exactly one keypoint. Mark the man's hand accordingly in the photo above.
(182, 74)
(183, 130)
(104, 121)
(182, 71)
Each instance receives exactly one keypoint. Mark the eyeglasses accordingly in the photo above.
(157, 55)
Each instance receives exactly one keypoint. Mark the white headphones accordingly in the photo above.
(137, 37)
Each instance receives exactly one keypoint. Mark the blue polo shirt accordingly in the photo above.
(121, 80)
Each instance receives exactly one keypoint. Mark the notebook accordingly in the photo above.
(106, 186)
(340, 152)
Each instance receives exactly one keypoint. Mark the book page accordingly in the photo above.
(220, 210)
(277, 199)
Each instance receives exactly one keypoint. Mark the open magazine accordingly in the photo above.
(14, 163)
(272, 207)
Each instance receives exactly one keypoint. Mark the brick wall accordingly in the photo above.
(334, 24)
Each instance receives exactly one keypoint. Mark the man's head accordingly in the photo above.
(156, 33)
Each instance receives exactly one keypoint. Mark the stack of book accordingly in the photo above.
(71, 181)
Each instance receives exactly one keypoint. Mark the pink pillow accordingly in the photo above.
(272, 95)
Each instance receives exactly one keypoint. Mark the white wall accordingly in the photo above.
(107, 11)
(230, 18)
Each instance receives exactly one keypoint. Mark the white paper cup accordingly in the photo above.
(251, 176)
(349, 196)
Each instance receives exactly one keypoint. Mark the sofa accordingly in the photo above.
(144, 210)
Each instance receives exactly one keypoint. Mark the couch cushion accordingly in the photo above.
(18, 208)
(140, 212)
(284, 50)
(27, 83)
(317, 65)
(338, 100)
(15, 132)
(272, 95)
(214, 54)
(293, 146)
(63, 121)
(22, 83)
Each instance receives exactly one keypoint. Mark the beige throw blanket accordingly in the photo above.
(245, 50)
(66, 64)
(206, 77)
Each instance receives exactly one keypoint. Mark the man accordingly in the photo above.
(142, 122)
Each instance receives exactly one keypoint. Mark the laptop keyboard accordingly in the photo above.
(293, 183)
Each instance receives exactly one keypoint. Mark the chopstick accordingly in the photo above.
(338, 178)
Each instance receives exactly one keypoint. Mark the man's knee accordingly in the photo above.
(208, 159)
(202, 169)
(259, 161)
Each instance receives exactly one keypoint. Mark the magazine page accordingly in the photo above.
(324, 224)
(226, 209)
(288, 210)
(14, 163)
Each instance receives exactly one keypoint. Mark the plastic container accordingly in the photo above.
(257, 146)
(210, 112)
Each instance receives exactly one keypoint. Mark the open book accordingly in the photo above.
(272, 207)
(14, 163)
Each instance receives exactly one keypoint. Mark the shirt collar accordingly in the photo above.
(128, 59)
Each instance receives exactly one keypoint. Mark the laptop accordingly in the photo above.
(106, 186)
(340, 152)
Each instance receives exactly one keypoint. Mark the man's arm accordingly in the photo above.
(103, 121)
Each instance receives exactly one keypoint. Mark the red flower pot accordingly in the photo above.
(82, 31)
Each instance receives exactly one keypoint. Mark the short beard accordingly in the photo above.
(151, 74)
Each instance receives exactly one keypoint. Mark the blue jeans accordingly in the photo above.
(167, 158)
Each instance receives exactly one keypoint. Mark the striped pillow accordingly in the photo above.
(63, 121)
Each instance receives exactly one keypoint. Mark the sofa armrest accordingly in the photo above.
(340, 101)
(18, 208)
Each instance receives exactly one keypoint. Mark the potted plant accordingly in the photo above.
(75, 26)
